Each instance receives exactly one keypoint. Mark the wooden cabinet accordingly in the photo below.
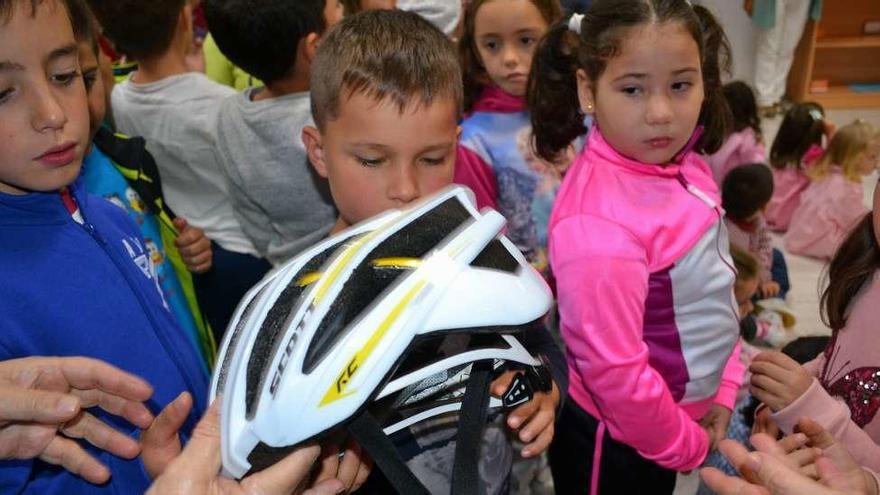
(836, 50)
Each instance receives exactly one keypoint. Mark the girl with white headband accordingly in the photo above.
(637, 242)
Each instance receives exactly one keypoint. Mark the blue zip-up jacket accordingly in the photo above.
(71, 289)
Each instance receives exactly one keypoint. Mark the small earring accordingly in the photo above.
(589, 107)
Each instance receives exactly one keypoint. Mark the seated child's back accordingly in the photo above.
(833, 202)
(796, 146)
(745, 144)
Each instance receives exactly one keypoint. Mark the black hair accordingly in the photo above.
(262, 36)
(802, 127)
(743, 107)
(141, 29)
(746, 189)
(552, 89)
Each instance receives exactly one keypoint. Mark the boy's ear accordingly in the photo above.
(310, 46)
(586, 93)
(311, 138)
(185, 21)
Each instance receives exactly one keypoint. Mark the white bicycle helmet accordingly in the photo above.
(397, 319)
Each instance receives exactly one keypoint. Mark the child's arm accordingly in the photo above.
(765, 256)
(732, 379)
(194, 246)
(473, 172)
(833, 415)
(602, 281)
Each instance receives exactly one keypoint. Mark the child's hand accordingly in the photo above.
(770, 289)
(352, 471)
(764, 423)
(534, 420)
(160, 443)
(194, 247)
(715, 423)
(777, 380)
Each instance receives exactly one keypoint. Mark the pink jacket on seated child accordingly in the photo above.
(829, 209)
(788, 184)
(845, 396)
(740, 148)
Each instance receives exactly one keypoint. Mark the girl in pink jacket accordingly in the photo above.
(832, 204)
(744, 144)
(841, 388)
(637, 243)
(798, 145)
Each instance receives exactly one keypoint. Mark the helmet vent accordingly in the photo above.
(496, 257)
(273, 327)
(367, 283)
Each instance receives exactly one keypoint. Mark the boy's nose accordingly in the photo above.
(404, 186)
(48, 112)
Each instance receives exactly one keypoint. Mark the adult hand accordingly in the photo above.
(196, 470)
(534, 420)
(773, 469)
(715, 423)
(778, 380)
(42, 408)
(194, 247)
(841, 470)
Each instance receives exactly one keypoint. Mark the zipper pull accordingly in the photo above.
(93, 232)
(696, 192)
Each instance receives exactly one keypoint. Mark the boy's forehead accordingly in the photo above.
(40, 34)
(367, 109)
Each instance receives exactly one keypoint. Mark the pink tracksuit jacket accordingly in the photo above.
(645, 286)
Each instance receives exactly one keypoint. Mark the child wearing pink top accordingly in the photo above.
(745, 144)
(798, 144)
(841, 388)
(832, 204)
(637, 243)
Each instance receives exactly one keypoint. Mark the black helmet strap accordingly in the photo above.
(465, 473)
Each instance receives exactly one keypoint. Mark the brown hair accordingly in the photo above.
(552, 95)
(855, 261)
(845, 150)
(8, 6)
(140, 29)
(383, 54)
(747, 266)
(473, 73)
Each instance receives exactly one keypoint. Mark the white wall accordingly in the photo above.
(740, 32)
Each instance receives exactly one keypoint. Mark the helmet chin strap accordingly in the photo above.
(465, 472)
